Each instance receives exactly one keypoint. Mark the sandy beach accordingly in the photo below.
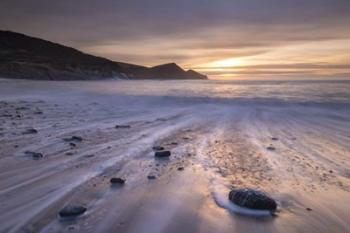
(293, 145)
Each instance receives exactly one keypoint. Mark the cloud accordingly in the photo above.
(188, 32)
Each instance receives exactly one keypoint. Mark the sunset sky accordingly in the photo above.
(222, 38)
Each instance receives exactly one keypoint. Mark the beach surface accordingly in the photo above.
(290, 139)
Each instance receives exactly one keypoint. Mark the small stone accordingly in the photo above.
(122, 126)
(72, 210)
(252, 199)
(70, 153)
(151, 177)
(117, 180)
(89, 156)
(308, 209)
(274, 139)
(162, 154)
(30, 131)
(271, 148)
(35, 155)
(330, 171)
(180, 168)
(158, 148)
(72, 144)
(73, 139)
(174, 143)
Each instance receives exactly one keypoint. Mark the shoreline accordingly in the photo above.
(219, 146)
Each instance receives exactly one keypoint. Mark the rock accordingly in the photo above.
(174, 143)
(35, 155)
(180, 168)
(117, 180)
(73, 139)
(162, 154)
(38, 112)
(252, 199)
(70, 153)
(158, 148)
(122, 126)
(151, 177)
(72, 144)
(270, 148)
(72, 210)
(30, 131)
(274, 139)
(89, 156)
(308, 209)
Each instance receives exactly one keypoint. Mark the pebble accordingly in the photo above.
(30, 131)
(122, 126)
(72, 210)
(73, 138)
(158, 148)
(162, 154)
(35, 155)
(117, 180)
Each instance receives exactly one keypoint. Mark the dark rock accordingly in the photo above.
(38, 112)
(89, 156)
(72, 144)
(151, 177)
(158, 148)
(274, 139)
(69, 153)
(122, 126)
(72, 210)
(252, 199)
(117, 180)
(30, 131)
(180, 168)
(73, 139)
(271, 148)
(162, 154)
(308, 209)
(35, 155)
(174, 143)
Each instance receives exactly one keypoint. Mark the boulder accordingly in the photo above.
(252, 199)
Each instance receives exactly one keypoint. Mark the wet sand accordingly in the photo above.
(219, 145)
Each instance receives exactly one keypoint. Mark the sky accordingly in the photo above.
(225, 39)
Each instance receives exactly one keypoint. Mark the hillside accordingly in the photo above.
(25, 57)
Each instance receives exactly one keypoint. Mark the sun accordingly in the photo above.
(226, 63)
